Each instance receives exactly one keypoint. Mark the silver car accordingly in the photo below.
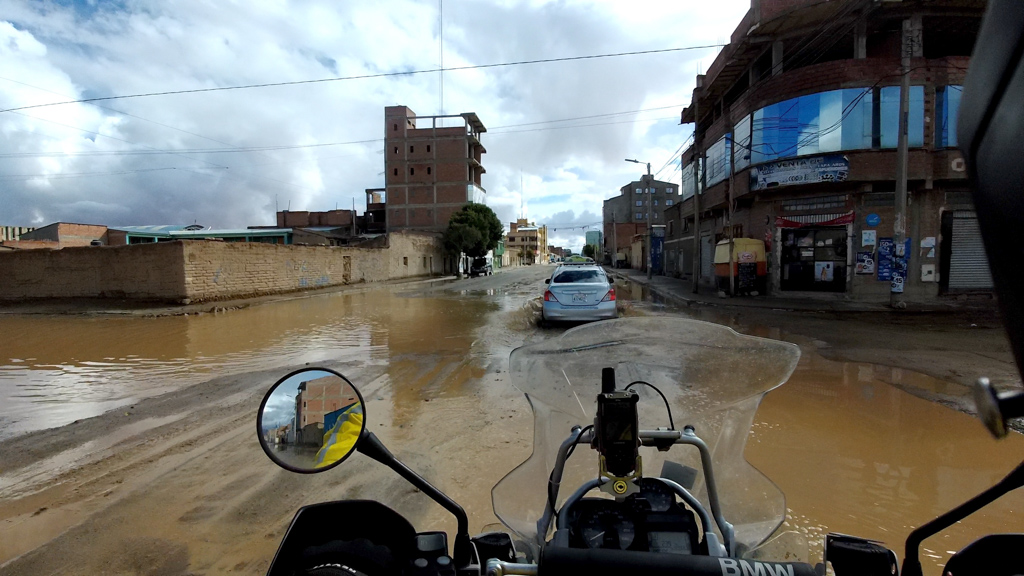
(579, 293)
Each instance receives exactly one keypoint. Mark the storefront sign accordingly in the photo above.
(889, 264)
(847, 218)
(873, 219)
(799, 171)
(865, 263)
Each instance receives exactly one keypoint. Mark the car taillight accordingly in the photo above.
(610, 296)
(549, 297)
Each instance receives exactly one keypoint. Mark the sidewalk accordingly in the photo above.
(680, 292)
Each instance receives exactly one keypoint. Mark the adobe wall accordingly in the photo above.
(200, 270)
(143, 272)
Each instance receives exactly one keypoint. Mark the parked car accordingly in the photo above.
(481, 267)
(579, 293)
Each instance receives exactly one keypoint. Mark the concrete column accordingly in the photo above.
(777, 58)
(860, 40)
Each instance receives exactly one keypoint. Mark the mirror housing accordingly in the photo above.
(547, 280)
(311, 420)
(852, 556)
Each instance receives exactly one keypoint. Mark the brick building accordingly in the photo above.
(799, 116)
(432, 168)
(316, 399)
(524, 235)
(625, 215)
(62, 235)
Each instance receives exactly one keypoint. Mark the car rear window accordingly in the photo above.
(570, 276)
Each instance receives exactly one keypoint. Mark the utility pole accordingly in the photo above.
(911, 41)
(650, 230)
(697, 172)
(732, 183)
(615, 242)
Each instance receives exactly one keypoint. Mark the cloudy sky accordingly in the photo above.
(228, 158)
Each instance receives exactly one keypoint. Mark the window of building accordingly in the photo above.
(412, 171)
(424, 261)
(412, 149)
(395, 128)
(639, 202)
(396, 149)
(889, 117)
(428, 169)
(741, 138)
(638, 190)
(718, 160)
(668, 231)
(652, 190)
(670, 190)
(812, 124)
(428, 147)
(655, 202)
(655, 215)
(639, 216)
(396, 171)
(405, 260)
(668, 202)
(511, 238)
(947, 109)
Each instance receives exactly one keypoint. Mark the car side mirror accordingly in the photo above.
(610, 279)
(547, 280)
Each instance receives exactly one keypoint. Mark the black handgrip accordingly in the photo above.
(561, 561)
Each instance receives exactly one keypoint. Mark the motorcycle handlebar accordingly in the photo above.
(561, 561)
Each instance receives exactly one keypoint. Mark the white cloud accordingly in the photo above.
(55, 52)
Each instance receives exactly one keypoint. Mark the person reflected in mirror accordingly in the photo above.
(340, 440)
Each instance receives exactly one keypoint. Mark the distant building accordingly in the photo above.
(626, 214)
(122, 235)
(375, 219)
(595, 238)
(13, 232)
(526, 237)
(61, 235)
(431, 167)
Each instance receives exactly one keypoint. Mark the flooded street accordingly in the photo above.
(173, 481)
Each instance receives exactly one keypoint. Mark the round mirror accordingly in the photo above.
(311, 420)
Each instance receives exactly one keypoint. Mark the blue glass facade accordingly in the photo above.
(947, 110)
(718, 160)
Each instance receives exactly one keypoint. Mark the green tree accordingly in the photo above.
(588, 250)
(529, 255)
(474, 230)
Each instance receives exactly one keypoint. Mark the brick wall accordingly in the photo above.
(205, 270)
(144, 272)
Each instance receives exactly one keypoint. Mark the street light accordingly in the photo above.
(650, 207)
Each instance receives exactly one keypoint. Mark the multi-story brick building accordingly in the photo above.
(432, 168)
(625, 215)
(316, 399)
(524, 238)
(798, 115)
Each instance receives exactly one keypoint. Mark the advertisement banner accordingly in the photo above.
(865, 263)
(833, 168)
(890, 265)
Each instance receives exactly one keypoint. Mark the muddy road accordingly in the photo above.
(130, 446)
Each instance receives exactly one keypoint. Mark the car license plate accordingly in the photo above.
(579, 297)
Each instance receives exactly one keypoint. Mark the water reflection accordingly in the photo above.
(54, 370)
(856, 455)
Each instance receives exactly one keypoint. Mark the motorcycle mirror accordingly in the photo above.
(994, 409)
(311, 420)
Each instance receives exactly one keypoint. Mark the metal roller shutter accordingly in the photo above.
(968, 265)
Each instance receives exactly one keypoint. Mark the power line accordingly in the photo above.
(587, 117)
(370, 76)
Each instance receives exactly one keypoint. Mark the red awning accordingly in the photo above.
(847, 218)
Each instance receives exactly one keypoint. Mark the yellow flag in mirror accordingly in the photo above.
(311, 420)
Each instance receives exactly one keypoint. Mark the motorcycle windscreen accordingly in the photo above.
(712, 377)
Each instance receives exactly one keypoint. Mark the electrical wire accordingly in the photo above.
(671, 423)
(370, 76)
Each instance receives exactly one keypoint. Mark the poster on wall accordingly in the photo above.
(832, 168)
(868, 238)
(888, 264)
(865, 263)
(824, 271)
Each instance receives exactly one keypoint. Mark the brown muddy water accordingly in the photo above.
(852, 452)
